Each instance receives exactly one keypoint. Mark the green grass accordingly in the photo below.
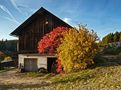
(91, 79)
(5, 70)
(33, 74)
(106, 75)
(40, 75)
(112, 51)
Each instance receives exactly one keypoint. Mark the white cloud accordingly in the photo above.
(26, 9)
(67, 20)
(15, 6)
(12, 18)
(72, 23)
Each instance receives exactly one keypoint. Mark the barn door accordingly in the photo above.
(51, 64)
(30, 64)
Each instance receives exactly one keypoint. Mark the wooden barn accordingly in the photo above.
(29, 33)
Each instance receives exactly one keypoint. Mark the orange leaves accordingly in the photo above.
(75, 48)
(59, 66)
(51, 41)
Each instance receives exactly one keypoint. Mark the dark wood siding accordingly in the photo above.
(35, 30)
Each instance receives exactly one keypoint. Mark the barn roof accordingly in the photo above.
(40, 12)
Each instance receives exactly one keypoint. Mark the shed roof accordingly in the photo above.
(4, 61)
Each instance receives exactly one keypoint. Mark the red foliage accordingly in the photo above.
(59, 66)
(51, 41)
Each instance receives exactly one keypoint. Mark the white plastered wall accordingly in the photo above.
(41, 60)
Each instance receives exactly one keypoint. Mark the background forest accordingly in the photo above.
(7, 48)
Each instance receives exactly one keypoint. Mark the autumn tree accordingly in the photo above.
(116, 37)
(111, 37)
(78, 49)
(51, 41)
(108, 38)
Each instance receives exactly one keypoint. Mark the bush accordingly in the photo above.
(78, 49)
(2, 56)
(8, 58)
(51, 41)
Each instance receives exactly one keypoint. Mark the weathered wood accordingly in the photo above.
(37, 26)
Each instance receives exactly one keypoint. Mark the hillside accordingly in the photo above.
(105, 75)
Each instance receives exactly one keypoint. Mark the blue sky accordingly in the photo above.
(103, 16)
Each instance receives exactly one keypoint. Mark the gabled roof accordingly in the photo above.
(39, 12)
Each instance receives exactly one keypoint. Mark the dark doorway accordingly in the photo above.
(51, 64)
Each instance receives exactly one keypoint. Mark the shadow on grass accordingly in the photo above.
(107, 61)
(22, 86)
(8, 69)
(83, 77)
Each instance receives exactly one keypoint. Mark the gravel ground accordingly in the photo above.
(12, 80)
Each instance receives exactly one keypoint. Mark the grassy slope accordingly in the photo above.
(105, 76)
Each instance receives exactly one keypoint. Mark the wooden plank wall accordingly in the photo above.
(28, 39)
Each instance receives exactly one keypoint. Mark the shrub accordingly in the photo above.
(2, 56)
(8, 58)
(78, 49)
(59, 66)
(51, 41)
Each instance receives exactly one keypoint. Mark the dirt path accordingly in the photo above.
(13, 80)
